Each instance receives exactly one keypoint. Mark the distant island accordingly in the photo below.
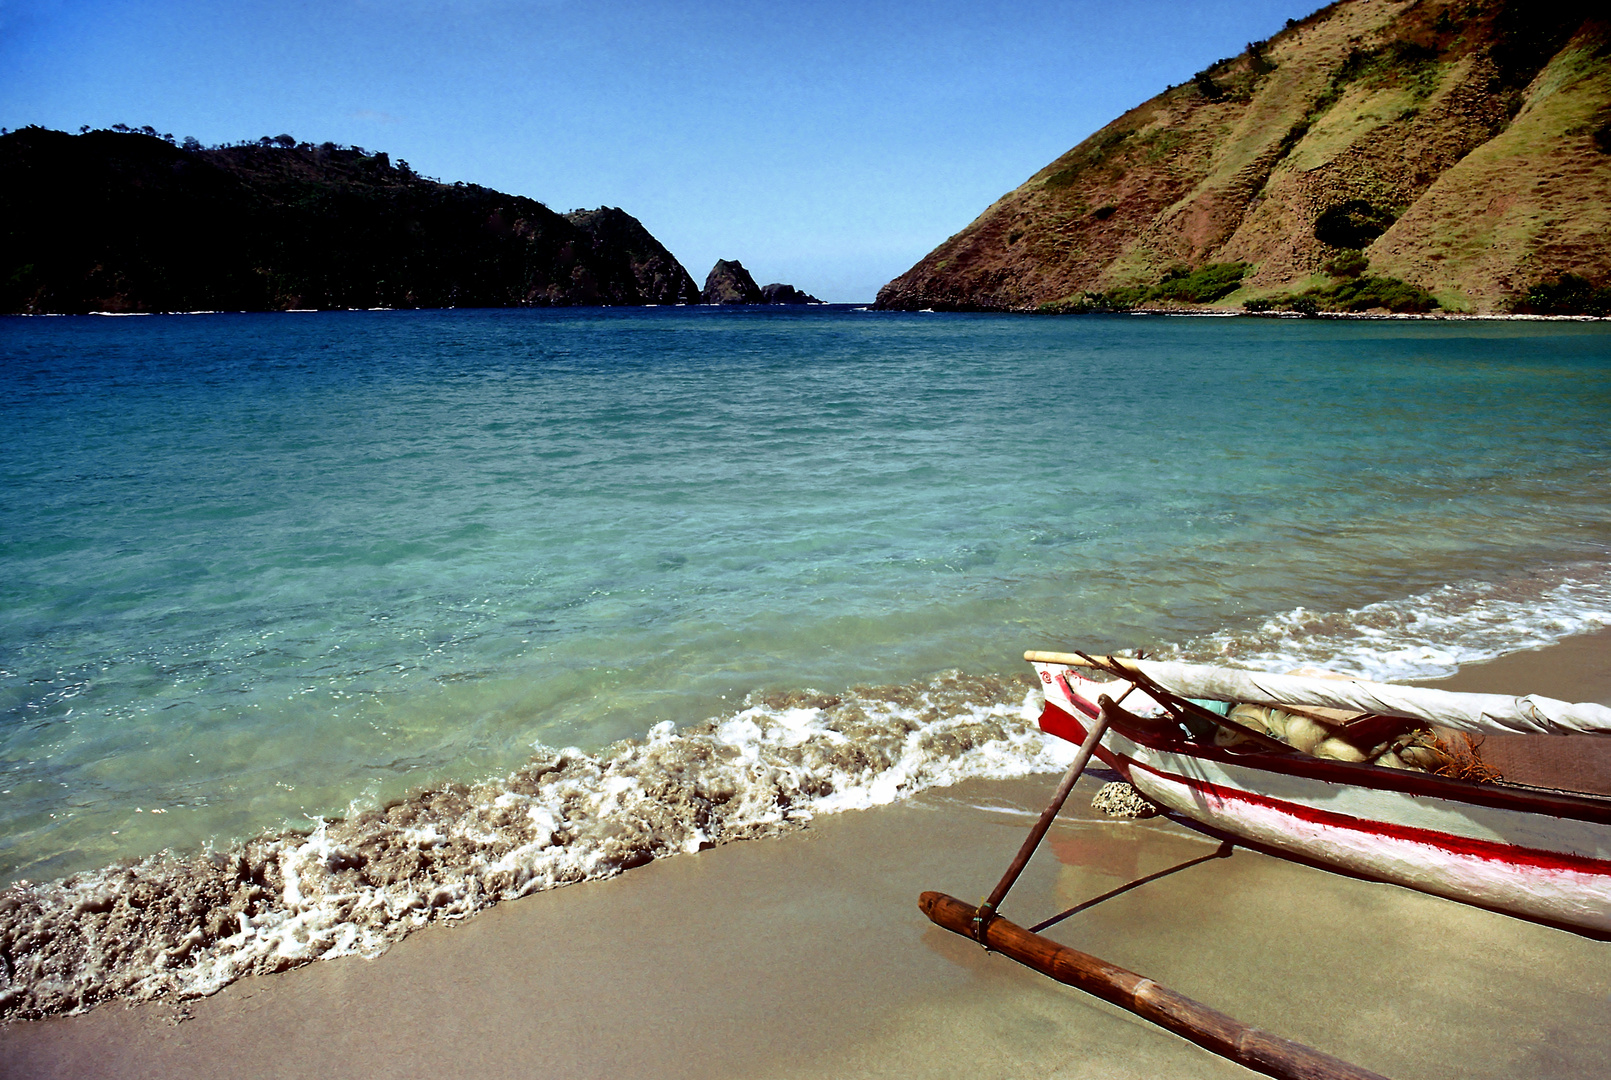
(121, 220)
(1403, 157)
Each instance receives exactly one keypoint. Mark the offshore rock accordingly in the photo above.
(729, 283)
(777, 293)
(124, 221)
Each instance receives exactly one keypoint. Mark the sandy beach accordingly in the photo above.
(806, 956)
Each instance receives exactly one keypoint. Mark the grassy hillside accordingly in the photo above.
(1447, 148)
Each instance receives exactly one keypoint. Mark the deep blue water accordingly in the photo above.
(254, 567)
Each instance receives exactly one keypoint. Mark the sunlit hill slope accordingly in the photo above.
(1401, 154)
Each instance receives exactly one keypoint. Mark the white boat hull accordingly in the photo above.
(1539, 855)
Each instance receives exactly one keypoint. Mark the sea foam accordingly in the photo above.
(168, 925)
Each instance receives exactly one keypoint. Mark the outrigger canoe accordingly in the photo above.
(1172, 731)
(1541, 854)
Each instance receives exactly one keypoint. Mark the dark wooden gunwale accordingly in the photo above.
(1578, 807)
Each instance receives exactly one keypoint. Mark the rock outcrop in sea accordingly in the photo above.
(1378, 153)
(778, 293)
(729, 283)
(122, 220)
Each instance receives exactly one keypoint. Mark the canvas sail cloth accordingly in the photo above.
(1489, 714)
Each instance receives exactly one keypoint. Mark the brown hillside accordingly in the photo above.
(1476, 134)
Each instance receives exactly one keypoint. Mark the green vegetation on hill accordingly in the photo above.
(1352, 224)
(123, 220)
(1357, 294)
(1567, 295)
(1180, 284)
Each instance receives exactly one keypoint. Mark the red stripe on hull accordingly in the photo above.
(1054, 721)
(1489, 850)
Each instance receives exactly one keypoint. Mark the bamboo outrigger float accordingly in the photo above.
(1318, 795)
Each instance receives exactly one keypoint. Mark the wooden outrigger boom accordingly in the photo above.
(1208, 1028)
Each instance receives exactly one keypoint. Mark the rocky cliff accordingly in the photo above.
(123, 221)
(619, 236)
(1393, 153)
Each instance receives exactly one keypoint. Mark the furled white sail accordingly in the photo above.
(1495, 714)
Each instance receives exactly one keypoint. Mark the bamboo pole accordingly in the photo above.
(1208, 1028)
(1036, 656)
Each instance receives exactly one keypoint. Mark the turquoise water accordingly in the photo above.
(254, 568)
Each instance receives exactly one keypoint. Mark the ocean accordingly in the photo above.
(315, 627)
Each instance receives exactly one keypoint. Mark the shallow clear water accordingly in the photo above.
(254, 567)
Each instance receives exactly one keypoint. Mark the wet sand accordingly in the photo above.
(806, 957)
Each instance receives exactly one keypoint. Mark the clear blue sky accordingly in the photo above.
(830, 145)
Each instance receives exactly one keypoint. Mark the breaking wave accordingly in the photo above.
(1427, 635)
(190, 926)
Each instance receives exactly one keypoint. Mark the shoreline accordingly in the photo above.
(804, 955)
(869, 305)
(1366, 316)
(1227, 313)
(1407, 316)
